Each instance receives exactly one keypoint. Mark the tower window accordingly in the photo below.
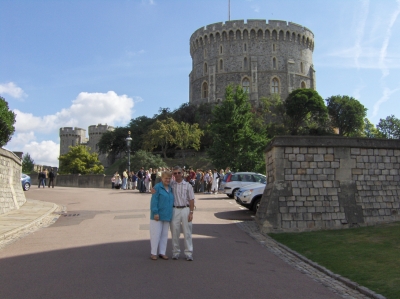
(246, 85)
(205, 53)
(205, 90)
(274, 63)
(221, 65)
(301, 68)
(303, 84)
(245, 63)
(220, 49)
(245, 47)
(273, 47)
(275, 86)
(205, 69)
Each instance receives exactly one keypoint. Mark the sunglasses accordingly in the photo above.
(175, 173)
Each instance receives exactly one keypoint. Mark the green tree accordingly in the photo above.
(7, 120)
(113, 142)
(27, 163)
(347, 114)
(389, 127)
(161, 134)
(145, 159)
(272, 112)
(235, 140)
(80, 160)
(306, 111)
(370, 131)
(188, 136)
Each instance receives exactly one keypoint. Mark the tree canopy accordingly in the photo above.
(7, 120)
(346, 114)
(27, 163)
(80, 160)
(389, 127)
(306, 110)
(236, 143)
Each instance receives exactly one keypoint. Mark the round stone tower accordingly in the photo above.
(95, 133)
(264, 58)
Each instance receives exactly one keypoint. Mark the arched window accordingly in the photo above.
(275, 86)
(303, 84)
(245, 64)
(220, 49)
(205, 69)
(273, 47)
(221, 65)
(246, 85)
(274, 63)
(301, 68)
(205, 90)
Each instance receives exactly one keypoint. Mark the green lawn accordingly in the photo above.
(369, 256)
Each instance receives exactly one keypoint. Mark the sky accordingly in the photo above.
(75, 63)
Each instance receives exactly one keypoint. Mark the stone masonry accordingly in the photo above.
(273, 57)
(11, 194)
(329, 183)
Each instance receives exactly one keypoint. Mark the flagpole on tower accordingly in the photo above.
(229, 10)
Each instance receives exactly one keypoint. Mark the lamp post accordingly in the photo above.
(128, 144)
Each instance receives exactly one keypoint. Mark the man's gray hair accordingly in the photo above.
(177, 168)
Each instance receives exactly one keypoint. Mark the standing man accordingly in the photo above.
(51, 177)
(140, 176)
(182, 214)
(124, 179)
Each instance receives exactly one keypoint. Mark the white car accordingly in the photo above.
(250, 196)
(233, 181)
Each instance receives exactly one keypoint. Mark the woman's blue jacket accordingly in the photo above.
(162, 203)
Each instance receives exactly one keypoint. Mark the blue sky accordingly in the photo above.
(78, 62)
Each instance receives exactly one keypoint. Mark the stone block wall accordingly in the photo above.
(329, 183)
(11, 194)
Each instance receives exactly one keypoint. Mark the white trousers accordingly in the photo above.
(158, 236)
(180, 218)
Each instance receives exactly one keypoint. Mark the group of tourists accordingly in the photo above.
(202, 181)
(45, 175)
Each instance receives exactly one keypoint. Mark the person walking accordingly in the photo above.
(215, 180)
(182, 215)
(161, 205)
(51, 177)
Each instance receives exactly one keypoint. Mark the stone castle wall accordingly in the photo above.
(257, 52)
(76, 136)
(329, 183)
(11, 194)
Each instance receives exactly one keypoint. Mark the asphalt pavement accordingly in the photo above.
(94, 243)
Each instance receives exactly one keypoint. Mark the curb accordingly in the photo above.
(363, 290)
(347, 282)
(28, 225)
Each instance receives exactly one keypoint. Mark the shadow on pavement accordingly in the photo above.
(227, 264)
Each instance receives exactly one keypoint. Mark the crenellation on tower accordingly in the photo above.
(70, 136)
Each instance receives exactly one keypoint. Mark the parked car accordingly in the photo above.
(25, 181)
(250, 195)
(233, 181)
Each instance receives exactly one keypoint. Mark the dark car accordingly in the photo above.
(25, 181)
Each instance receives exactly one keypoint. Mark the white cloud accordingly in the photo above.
(87, 109)
(256, 8)
(361, 21)
(386, 95)
(12, 89)
(44, 152)
(383, 52)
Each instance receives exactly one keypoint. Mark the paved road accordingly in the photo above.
(101, 249)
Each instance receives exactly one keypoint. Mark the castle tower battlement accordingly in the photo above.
(70, 136)
(264, 57)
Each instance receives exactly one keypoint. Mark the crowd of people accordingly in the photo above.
(202, 181)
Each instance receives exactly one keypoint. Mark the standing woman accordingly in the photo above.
(161, 205)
